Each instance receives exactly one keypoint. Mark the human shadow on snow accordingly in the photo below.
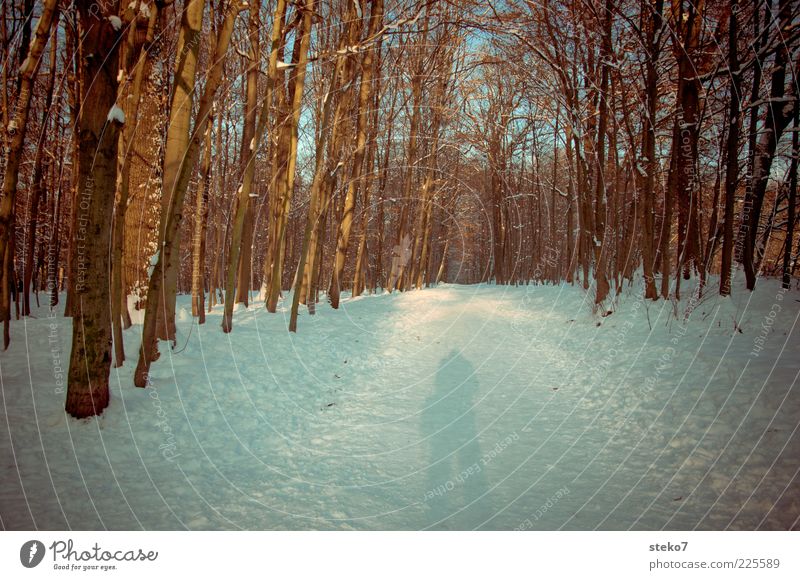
(455, 475)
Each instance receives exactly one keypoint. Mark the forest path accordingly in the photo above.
(456, 407)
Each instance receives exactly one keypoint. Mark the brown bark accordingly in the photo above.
(274, 86)
(161, 292)
(310, 261)
(90, 358)
(15, 137)
(365, 90)
(683, 178)
(201, 230)
(134, 65)
(649, 150)
(248, 151)
(732, 166)
(37, 185)
(327, 168)
(271, 284)
(178, 136)
(779, 115)
(791, 211)
(600, 242)
(361, 252)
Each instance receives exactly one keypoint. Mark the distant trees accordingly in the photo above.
(780, 109)
(16, 124)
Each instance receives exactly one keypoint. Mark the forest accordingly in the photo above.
(295, 157)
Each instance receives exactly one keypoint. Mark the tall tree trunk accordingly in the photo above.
(664, 238)
(278, 194)
(15, 141)
(161, 292)
(649, 149)
(322, 178)
(248, 151)
(54, 249)
(201, 230)
(760, 38)
(600, 242)
(554, 266)
(90, 358)
(732, 147)
(362, 262)
(286, 152)
(134, 65)
(365, 90)
(779, 114)
(571, 209)
(402, 249)
(37, 185)
(791, 209)
(178, 135)
(686, 130)
(274, 84)
(327, 168)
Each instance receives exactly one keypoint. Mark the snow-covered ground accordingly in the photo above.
(456, 407)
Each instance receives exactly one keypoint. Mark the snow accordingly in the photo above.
(26, 66)
(153, 263)
(144, 9)
(456, 407)
(115, 22)
(116, 114)
(284, 65)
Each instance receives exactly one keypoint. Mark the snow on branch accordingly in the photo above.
(116, 114)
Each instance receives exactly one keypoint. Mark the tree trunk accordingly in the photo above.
(248, 151)
(649, 150)
(178, 135)
(343, 237)
(248, 159)
(791, 210)
(402, 250)
(161, 291)
(15, 140)
(38, 175)
(779, 114)
(201, 229)
(732, 165)
(134, 65)
(361, 257)
(760, 38)
(600, 242)
(686, 129)
(90, 359)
